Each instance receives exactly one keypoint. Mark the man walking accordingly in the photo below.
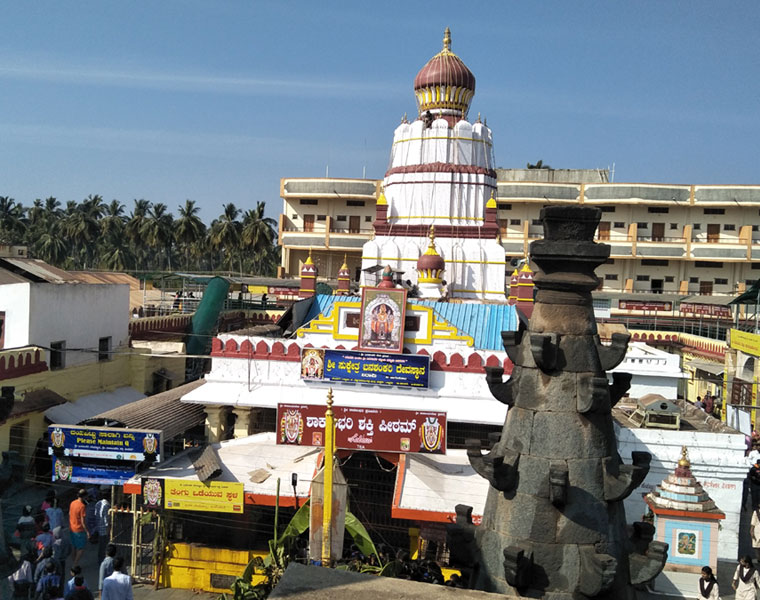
(103, 518)
(119, 585)
(106, 567)
(78, 525)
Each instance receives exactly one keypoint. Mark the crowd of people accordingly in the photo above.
(45, 548)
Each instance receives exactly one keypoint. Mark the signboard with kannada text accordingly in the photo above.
(745, 341)
(104, 442)
(652, 305)
(713, 310)
(404, 370)
(64, 469)
(372, 429)
(212, 496)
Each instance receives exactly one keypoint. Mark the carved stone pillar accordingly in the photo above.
(242, 421)
(215, 421)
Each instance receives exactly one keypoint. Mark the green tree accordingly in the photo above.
(158, 232)
(257, 238)
(189, 233)
(224, 236)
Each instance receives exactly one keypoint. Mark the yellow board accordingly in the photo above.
(214, 496)
(745, 342)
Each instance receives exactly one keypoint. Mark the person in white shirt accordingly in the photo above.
(708, 585)
(746, 580)
(118, 585)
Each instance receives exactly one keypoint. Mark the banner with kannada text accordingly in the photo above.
(405, 370)
(373, 429)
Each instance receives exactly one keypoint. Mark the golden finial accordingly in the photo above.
(308, 260)
(431, 234)
(329, 402)
(684, 462)
(447, 40)
(345, 262)
(404, 119)
(431, 246)
(491, 203)
(478, 118)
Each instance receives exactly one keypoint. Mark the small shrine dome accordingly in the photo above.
(387, 278)
(444, 82)
(430, 265)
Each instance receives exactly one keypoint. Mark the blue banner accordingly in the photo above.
(406, 370)
(104, 442)
(65, 470)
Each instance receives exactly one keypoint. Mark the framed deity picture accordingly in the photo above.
(381, 328)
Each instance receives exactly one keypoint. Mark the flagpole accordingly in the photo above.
(328, 485)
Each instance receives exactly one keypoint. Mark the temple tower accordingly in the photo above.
(441, 173)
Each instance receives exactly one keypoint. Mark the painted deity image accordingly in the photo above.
(382, 320)
(312, 364)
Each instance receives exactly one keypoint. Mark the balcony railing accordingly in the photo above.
(322, 229)
(661, 238)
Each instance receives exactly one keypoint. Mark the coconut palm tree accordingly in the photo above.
(158, 231)
(134, 232)
(12, 221)
(189, 231)
(225, 235)
(257, 236)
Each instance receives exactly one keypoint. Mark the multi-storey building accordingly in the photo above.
(680, 239)
(330, 217)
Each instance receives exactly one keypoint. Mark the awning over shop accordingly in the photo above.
(708, 367)
(34, 401)
(471, 410)
(429, 486)
(73, 413)
(257, 462)
(163, 411)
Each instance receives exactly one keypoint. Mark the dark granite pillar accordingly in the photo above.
(554, 525)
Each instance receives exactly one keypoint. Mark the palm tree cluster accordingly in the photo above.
(94, 235)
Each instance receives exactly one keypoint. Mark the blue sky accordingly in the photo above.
(216, 100)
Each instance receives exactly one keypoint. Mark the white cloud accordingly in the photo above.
(190, 82)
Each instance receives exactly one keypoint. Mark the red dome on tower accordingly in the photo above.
(444, 83)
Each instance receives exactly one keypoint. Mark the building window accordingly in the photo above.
(697, 226)
(714, 211)
(729, 227)
(756, 266)
(309, 201)
(663, 210)
(536, 222)
(642, 277)
(654, 262)
(323, 218)
(104, 349)
(354, 202)
(693, 279)
(294, 217)
(643, 225)
(705, 264)
(669, 279)
(619, 225)
(504, 206)
(341, 218)
(514, 221)
(756, 228)
(368, 219)
(57, 355)
(607, 209)
(610, 276)
(721, 282)
(674, 225)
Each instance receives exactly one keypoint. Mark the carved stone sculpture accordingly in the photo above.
(554, 524)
